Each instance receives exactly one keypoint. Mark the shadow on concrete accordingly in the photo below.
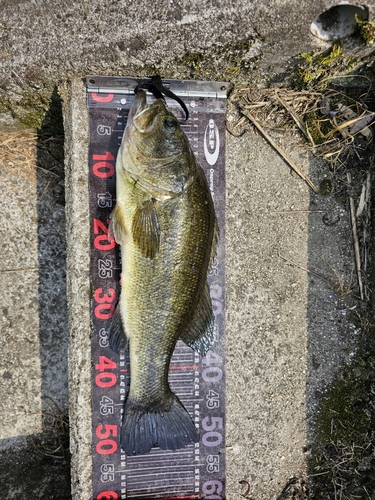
(53, 311)
(38, 466)
(340, 392)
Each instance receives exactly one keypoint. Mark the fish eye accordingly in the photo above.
(170, 123)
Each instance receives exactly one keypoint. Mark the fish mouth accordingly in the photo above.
(142, 116)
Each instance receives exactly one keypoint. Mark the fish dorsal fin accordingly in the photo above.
(145, 229)
(117, 338)
(199, 334)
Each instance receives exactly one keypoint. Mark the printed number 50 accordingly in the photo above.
(106, 446)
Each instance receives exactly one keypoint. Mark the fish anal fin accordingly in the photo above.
(116, 334)
(199, 334)
(166, 425)
(215, 239)
(145, 229)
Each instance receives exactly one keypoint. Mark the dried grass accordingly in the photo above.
(19, 151)
(335, 127)
(55, 443)
(329, 121)
(338, 462)
(17, 147)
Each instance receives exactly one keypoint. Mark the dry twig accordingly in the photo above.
(308, 271)
(280, 151)
(296, 118)
(336, 286)
(355, 240)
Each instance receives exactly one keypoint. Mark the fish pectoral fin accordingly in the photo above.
(116, 228)
(199, 334)
(145, 229)
(116, 335)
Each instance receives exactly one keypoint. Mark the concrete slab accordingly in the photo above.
(20, 353)
(33, 359)
(106, 37)
(34, 350)
(43, 44)
(266, 319)
(284, 345)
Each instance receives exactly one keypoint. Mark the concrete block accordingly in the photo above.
(78, 286)
(276, 318)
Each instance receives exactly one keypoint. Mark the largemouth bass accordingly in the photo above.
(165, 222)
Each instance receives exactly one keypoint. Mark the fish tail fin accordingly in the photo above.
(167, 426)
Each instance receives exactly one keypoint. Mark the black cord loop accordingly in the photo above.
(156, 87)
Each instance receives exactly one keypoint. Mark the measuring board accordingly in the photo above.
(198, 470)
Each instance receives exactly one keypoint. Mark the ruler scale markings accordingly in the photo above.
(171, 460)
(144, 475)
(178, 497)
(160, 485)
(151, 474)
(166, 456)
(156, 491)
(159, 475)
(166, 460)
(199, 469)
(160, 467)
(151, 466)
(135, 478)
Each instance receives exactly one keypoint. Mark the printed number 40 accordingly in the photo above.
(212, 373)
(105, 378)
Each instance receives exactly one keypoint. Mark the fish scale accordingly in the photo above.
(199, 469)
(156, 302)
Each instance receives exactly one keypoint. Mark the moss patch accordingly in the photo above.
(366, 30)
(343, 456)
(317, 66)
(232, 59)
(317, 126)
(30, 106)
(325, 187)
(343, 415)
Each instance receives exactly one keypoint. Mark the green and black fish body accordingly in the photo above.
(165, 222)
